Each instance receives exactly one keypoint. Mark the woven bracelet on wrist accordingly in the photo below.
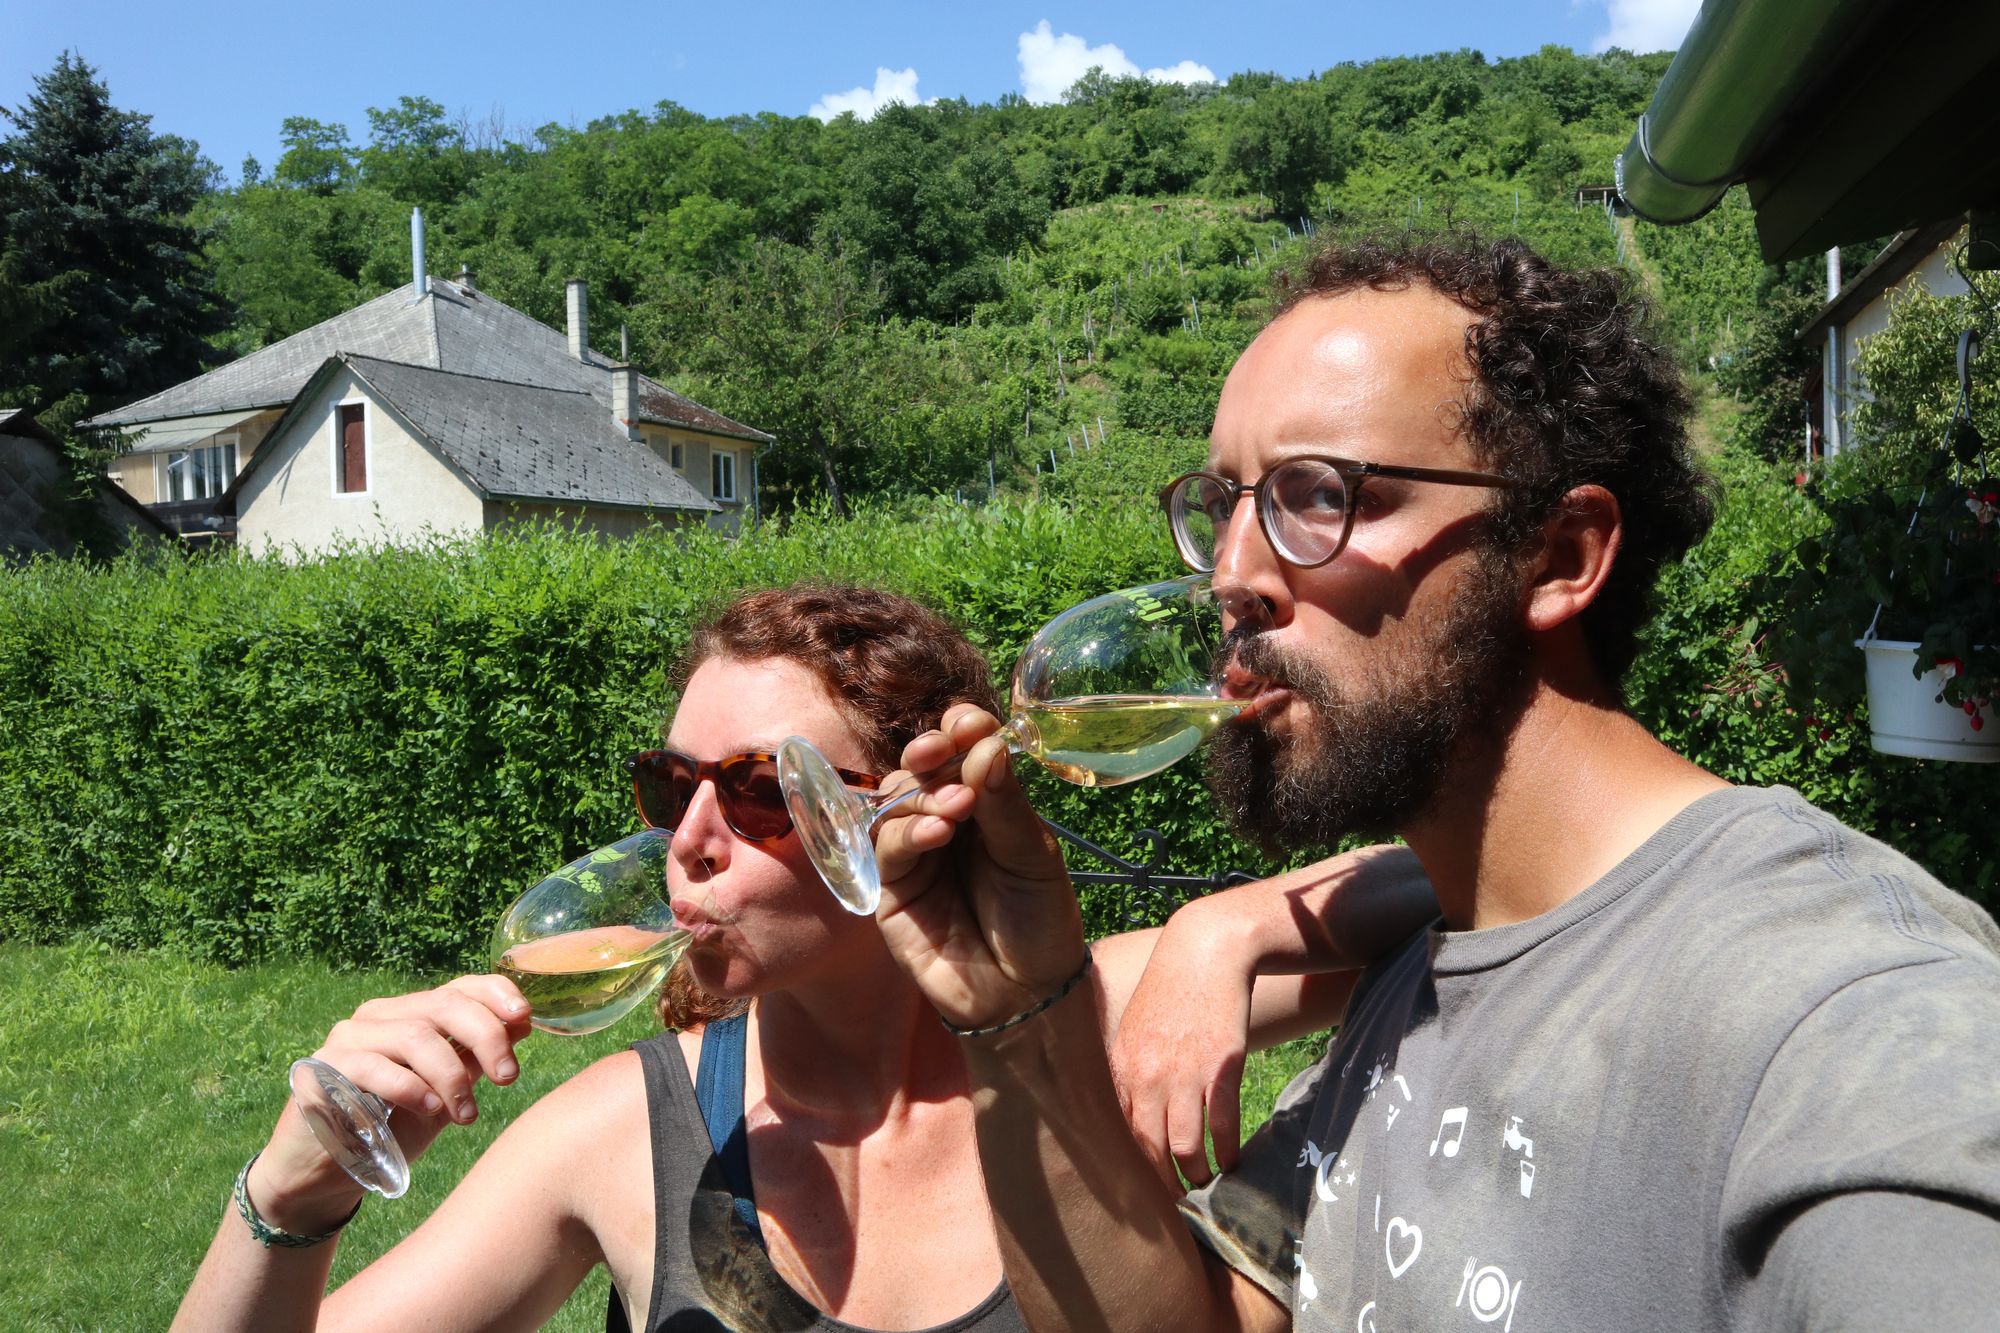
(268, 1235)
(1082, 971)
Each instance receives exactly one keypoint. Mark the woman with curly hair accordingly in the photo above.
(846, 1192)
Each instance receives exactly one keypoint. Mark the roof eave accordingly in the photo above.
(504, 497)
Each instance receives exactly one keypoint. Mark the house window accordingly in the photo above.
(199, 474)
(350, 462)
(723, 468)
(674, 453)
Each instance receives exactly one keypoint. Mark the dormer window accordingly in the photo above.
(350, 448)
(722, 466)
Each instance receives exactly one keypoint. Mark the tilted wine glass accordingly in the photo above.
(585, 946)
(1110, 691)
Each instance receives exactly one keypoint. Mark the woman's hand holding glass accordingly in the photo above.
(422, 1056)
(987, 926)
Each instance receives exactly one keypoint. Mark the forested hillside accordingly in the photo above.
(907, 300)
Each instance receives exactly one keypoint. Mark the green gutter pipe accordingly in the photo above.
(1735, 77)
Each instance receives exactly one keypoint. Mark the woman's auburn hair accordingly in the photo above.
(891, 665)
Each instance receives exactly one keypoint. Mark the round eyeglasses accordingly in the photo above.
(1304, 505)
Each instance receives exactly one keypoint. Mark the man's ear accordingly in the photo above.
(1580, 539)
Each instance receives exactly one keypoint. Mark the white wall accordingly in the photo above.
(292, 501)
(602, 521)
(1934, 275)
(695, 467)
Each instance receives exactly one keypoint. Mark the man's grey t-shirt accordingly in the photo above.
(1719, 1088)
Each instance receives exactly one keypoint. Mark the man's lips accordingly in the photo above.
(1264, 693)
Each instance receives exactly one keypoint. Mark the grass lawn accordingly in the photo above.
(133, 1086)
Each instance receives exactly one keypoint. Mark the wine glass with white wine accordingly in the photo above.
(1110, 691)
(585, 946)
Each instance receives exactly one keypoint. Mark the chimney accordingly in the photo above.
(579, 313)
(625, 399)
(423, 280)
(465, 276)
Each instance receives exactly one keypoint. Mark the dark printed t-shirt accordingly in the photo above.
(1749, 1079)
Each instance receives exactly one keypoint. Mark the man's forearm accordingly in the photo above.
(1346, 911)
(1090, 1238)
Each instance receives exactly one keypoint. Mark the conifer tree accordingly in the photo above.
(104, 294)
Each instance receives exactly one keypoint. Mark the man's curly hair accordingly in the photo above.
(1569, 390)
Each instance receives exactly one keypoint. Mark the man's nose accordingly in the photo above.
(1249, 576)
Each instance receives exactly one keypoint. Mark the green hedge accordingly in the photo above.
(364, 758)
(1710, 684)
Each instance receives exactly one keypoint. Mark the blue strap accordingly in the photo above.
(718, 1087)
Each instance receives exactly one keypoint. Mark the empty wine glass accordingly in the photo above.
(585, 946)
(1110, 691)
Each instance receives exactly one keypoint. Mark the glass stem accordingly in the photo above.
(944, 772)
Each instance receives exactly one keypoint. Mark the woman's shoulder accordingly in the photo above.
(600, 1096)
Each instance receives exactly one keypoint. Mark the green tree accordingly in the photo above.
(415, 154)
(1287, 144)
(96, 254)
(931, 206)
(317, 156)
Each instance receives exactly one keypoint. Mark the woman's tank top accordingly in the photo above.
(710, 1270)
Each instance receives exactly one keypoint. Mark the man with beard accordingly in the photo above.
(1679, 1055)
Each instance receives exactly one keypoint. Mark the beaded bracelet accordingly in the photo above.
(268, 1235)
(1082, 971)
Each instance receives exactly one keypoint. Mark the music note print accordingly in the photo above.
(1454, 1120)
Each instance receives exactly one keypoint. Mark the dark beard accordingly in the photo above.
(1376, 754)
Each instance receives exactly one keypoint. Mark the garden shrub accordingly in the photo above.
(365, 757)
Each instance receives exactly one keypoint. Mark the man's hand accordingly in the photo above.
(1178, 1056)
(1244, 969)
(976, 901)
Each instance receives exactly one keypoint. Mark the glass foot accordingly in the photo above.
(833, 823)
(352, 1125)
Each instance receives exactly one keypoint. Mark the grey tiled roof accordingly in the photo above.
(527, 441)
(450, 328)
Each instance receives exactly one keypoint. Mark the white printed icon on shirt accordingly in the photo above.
(1308, 1289)
(1491, 1294)
(1402, 1242)
(1326, 1171)
(1515, 1141)
(1403, 1086)
(1453, 1120)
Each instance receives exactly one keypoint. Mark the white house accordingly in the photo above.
(432, 408)
(1858, 308)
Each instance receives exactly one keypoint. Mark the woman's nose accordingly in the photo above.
(703, 836)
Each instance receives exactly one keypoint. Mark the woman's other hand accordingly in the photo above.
(976, 900)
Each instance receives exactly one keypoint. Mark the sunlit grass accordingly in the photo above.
(133, 1086)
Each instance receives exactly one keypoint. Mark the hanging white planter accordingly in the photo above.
(1909, 719)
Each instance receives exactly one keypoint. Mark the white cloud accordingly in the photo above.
(891, 85)
(1648, 25)
(1051, 63)
(1185, 72)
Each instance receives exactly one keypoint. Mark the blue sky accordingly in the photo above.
(226, 73)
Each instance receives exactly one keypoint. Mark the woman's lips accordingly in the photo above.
(695, 922)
